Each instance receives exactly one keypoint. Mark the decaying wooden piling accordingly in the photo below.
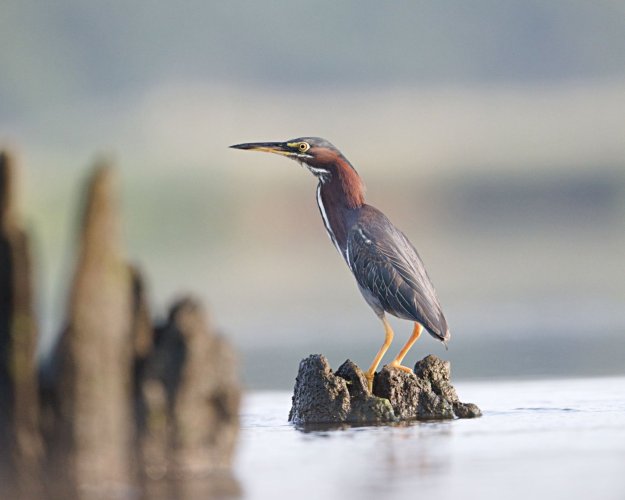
(206, 410)
(125, 401)
(192, 391)
(323, 397)
(93, 424)
(122, 402)
(20, 440)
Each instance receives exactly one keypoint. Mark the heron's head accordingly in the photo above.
(319, 155)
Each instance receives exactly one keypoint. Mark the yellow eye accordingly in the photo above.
(303, 147)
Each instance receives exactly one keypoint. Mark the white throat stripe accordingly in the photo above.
(326, 222)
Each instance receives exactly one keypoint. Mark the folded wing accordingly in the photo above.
(387, 266)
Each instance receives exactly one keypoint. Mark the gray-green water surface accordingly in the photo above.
(537, 439)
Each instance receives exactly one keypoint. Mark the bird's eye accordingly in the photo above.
(303, 147)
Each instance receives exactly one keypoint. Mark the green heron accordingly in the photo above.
(387, 268)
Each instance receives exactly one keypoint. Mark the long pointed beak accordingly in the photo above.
(280, 148)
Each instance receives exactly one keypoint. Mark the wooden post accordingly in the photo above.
(93, 428)
(20, 439)
(193, 393)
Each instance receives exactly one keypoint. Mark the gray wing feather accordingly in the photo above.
(386, 264)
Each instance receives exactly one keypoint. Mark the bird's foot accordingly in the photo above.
(369, 377)
(396, 364)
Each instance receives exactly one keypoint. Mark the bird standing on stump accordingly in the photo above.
(389, 272)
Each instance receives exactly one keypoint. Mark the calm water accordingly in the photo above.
(550, 438)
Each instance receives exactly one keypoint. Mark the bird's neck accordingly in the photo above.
(340, 196)
(344, 186)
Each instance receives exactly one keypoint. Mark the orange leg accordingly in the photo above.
(376, 361)
(396, 363)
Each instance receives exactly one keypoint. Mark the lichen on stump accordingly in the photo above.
(323, 397)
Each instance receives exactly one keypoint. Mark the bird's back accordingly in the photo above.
(390, 272)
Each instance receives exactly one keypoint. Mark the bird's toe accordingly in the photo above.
(396, 364)
(369, 377)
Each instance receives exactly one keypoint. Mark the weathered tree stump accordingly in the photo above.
(332, 398)
(438, 373)
(20, 440)
(92, 425)
(192, 395)
(323, 397)
(122, 402)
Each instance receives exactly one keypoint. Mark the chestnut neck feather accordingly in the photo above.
(340, 195)
(347, 184)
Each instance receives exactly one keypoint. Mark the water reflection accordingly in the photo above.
(556, 432)
(195, 487)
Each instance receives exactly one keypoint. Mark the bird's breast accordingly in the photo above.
(329, 221)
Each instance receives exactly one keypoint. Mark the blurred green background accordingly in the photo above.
(491, 132)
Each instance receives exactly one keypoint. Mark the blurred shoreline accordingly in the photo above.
(496, 146)
(519, 358)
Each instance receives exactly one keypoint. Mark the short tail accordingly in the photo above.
(436, 330)
(446, 338)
